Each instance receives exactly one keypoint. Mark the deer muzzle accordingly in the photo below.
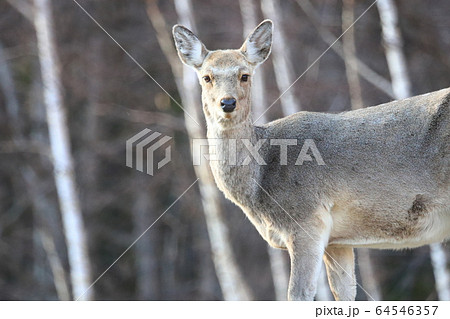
(228, 104)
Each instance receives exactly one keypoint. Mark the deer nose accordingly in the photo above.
(228, 104)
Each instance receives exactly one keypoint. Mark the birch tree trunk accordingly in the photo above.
(401, 86)
(145, 260)
(60, 149)
(280, 272)
(393, 45)
(441, 273)
(41, 208)
(230, 278)
(368, 276)
(281, 59)
(348, 45)
(58, 273)
(277, 258)
(363, 69)
(41, 205)
(290, 104)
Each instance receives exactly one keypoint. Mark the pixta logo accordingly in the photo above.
(141, 148)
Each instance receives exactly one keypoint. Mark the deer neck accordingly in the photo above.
(241, 130)
(233, 178)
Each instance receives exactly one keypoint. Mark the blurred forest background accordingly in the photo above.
(203, 247)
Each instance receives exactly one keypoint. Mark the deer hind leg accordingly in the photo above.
(340, 265)
(306, 261)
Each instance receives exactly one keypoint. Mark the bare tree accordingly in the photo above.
(393, 44)
(230, 277)
(280, 272)
(401, 86)
(106, 98)
(41, 205)
(348, 45)
(146, 262)
(42, 208)
(277, 258)
(368, 276)
(61, 154)
(363, 69)
(290, 104)
(441, 273)
(283, 70)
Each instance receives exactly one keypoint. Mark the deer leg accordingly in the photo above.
(306, 261)
(340, 265)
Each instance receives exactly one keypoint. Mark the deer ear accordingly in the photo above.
(190, 49)
(259, 43)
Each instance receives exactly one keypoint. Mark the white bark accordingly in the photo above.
(368, 275)
(402, 89)
(42, 208)
(60, 148)
(278, 264)
(348, 45)
(280, 272)
(441, 273)
(363, 69)
(41, 205)
(56, 267)
(393, 48)
(283, 69)
(145, 258)
(230, 278)
(290, 104)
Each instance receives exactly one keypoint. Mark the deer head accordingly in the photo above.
(225, 75)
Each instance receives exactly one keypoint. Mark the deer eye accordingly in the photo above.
(207, 79)
(244, 77)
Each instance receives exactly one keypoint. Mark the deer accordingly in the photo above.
(385, 182)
